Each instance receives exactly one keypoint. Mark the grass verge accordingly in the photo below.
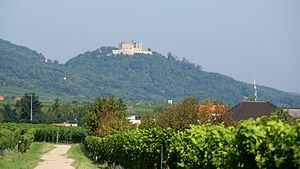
(28, 160)
(81, 160)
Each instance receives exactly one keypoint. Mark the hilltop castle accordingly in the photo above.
(131, 48)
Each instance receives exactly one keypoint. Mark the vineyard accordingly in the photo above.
(260, 143)
(22, 135)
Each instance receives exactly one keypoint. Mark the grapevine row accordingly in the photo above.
(256, 143)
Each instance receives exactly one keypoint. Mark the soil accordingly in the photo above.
(56, 158)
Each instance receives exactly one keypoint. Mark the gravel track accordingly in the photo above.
(56, 158)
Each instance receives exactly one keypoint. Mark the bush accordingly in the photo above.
(8, 139)
(27, 137)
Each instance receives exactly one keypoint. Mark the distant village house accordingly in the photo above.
(251, 109)
(294, 113)
(134, 119)
(2, 98)
(18, 98)
(66, 124)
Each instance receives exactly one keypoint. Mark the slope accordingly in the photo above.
(138, 77)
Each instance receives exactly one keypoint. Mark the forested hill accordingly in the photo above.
(138, 77)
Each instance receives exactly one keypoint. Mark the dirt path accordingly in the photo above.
(56, 159)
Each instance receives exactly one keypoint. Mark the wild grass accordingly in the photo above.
(27, 160)
(81, 160)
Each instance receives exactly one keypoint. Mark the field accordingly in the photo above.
(141, 109)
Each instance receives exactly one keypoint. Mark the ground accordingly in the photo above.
(56, 158)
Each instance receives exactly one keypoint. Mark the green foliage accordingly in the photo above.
(282, 115)
(133, 149)
(30, 102)
(65, 112)
(30, 159)
(271, 144)
(12, 135)
(106, 116)
(10, 115)
(46, 112)
(27, 137)
(24, 134)
(204, 146)
(77, 153)
(180, 116)
(49, 133)
(190, 111)
(8, 139)
(138, 77)
(260, 143)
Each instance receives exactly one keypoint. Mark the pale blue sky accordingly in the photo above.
(253, 39)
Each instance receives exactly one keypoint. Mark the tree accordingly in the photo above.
(68, 112)
(9, 115)
(55, 106)
(24, 108)
(53, 112)
(282, 115)
(212, 112)
(106, 115)
(149, 120)
(1, 115)
(170, 56)
(180, 116)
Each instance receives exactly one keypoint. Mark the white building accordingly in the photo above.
(134, 119)
(131, 48)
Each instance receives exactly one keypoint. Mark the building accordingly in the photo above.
(131, 48)
(251, 109)
(18, 98)
(134, 119)
(130, 109)
(212, 108)
(2, 98)
(66, 124)
(294, 113)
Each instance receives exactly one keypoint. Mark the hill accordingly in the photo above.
(137, 77)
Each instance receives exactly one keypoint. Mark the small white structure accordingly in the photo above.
(134, 119)
(170, 101)
(131, 48)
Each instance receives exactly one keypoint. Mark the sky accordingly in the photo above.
(247, 40)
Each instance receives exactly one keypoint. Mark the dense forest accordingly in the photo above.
(138, 77)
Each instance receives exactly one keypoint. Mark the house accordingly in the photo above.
(209, 111)
(2, 98)
(294, 113)
(251, 109)
(66, 124)
(130, 109)
(18, 98)
(212, 108)
(134, 119)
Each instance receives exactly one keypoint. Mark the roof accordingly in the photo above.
(251, 109)
(294, 113)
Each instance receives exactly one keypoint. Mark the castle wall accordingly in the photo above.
(130, 48)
